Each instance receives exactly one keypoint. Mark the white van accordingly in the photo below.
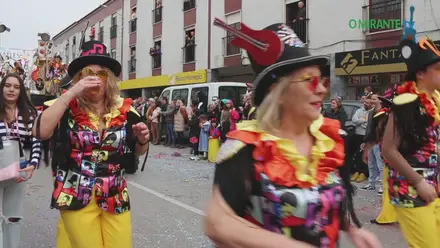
(213, 90)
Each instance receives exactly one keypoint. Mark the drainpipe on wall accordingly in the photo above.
(122, 39)
(209, 34)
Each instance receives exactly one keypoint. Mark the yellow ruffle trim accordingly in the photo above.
(305, 169)
(114, 112)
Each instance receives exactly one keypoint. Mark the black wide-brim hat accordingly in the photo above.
(284, 54)
(417, 55)
(94, 53)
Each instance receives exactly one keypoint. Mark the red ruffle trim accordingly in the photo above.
(270, 161)
(80, 117)
(410, 87)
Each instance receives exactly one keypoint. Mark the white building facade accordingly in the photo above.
(178, 36)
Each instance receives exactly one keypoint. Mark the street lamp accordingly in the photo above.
(44, 36)
(3, 28)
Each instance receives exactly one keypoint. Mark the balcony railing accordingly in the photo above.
(189, 4)
(157, 15)
(132, 65)
(189, 53)
(113, 31)
(381, 16)
(228, 48)
(156, 61)
(133, 25)
(301, 28)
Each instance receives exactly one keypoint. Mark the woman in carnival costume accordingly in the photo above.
(96, 127)
(410, 143)
(387, 214)
(281, 182)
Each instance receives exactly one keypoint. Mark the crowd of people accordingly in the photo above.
(207, 124)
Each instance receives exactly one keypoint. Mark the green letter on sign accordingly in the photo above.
(352, 23)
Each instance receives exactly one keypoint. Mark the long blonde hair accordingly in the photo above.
(111, 93)
(269, 111)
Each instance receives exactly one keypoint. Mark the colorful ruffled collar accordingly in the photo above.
(431, 104)
(116, 116)
(305, 169)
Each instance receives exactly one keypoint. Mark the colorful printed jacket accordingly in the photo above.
(266, 181)
(425, 160)
(93, 160)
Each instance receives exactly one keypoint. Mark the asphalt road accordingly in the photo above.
(168, 200)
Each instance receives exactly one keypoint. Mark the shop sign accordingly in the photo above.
(370, 61)
(190, 77)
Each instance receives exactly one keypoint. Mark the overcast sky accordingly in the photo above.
(27, 18)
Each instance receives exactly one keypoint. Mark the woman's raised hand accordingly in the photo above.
(84, 84)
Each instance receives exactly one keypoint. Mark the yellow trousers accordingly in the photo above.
(63, 240)
(92, 227)
(388, 213)
(421, 226)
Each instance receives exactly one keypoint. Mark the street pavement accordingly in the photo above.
(168, 200)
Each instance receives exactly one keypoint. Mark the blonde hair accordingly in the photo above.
(111, 93)
(269, 111)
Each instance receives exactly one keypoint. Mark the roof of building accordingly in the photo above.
(82, 19)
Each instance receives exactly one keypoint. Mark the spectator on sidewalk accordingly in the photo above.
(336, 111)
(372, 149)
(180, 118)
(168, 115)
(360, 120)
(162, 123)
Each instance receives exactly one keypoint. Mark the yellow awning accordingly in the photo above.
(191, 77)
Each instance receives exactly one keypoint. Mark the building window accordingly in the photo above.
(381, 11)
(229, 48)
(133, 25)
(156, 54)
(101, 34)
(189, 50)
(132, 61)
(74, 47)
(133, 13)
(113, 53)
(157, 12)
(296, 16)
(67, 54)
(189, 4)
(113, 28)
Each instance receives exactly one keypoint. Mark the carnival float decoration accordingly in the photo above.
(48, 68)
(16, 61)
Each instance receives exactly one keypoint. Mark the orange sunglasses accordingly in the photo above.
(87, 71)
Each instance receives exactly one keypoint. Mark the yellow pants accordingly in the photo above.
(421, 226)
(388, 213)
(92, 227)
(63, 240)
(213, 146)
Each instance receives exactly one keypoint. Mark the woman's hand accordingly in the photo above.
(85, 84)
(141, 132)
(29, 172)
(426, 191)
(362, 238)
